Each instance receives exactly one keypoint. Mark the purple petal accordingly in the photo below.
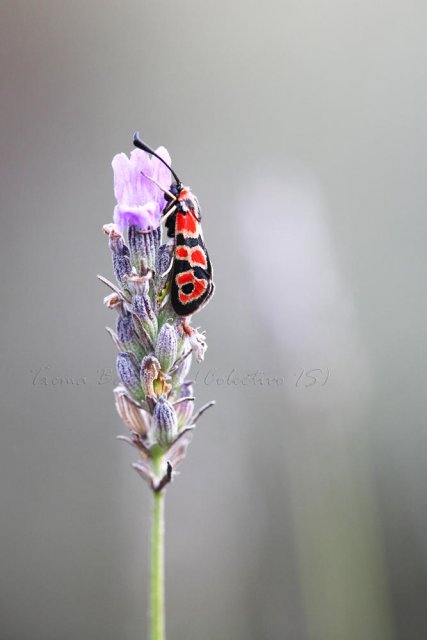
(140, 202)
(142, 217)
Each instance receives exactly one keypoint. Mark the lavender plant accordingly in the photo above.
(155, 346)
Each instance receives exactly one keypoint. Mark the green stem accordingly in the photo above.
(157, 587)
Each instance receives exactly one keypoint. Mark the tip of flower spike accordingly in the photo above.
(139, 185)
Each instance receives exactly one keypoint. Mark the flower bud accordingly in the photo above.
(141, 307)
(184, 409)
(121, 262)
(166, 346)
(127, 335)
(125, 329)
(150, 369)
(143, 247)
(165, 426)
(163, 261)
(135, 419)
(128, 373)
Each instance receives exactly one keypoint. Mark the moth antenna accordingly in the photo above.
(144, 147)
(168, 193)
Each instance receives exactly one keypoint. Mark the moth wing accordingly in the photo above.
(191, 284)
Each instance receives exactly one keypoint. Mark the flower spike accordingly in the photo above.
(155, 344)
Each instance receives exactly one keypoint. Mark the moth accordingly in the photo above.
(191, 274)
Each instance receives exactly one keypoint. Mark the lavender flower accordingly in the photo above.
(165, 423)
(139, 201)
(154, 399)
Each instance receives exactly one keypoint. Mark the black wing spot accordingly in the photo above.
(187, 288)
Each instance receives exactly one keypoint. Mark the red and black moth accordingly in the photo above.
(191, 273)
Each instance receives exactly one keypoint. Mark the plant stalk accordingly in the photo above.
(157, 586)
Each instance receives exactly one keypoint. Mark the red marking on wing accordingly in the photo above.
(199, 289)
(198, 257)
(182, 252)
(186, 223)
(194, 255)
(199, 284)
(184, 278)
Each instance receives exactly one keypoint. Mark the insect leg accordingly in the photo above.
(166, 215)
(162, 275)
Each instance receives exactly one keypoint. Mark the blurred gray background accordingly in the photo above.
(300, 512)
